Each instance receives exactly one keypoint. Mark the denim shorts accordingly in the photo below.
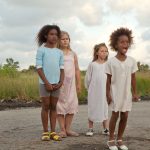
(44, 93)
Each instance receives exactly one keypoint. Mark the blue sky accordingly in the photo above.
(88, 22)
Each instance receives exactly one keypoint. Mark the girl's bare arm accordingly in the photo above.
(108, 83)
(133, 86)
(77, 74)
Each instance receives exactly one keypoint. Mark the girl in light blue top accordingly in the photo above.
(50, 68)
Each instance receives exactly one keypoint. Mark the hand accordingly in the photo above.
(109, 99)
(135, 98)
(48, 87)
(57, 86)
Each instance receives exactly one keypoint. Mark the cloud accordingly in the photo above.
(26, 13)
(91, 14)
(146, 35)
(88, 22)
(136, 7)
(25, 58)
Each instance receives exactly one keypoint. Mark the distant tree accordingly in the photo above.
(146, 67)
(138, 64)
(10, 63)
(31, 68)
(10, 68)
(142, 67)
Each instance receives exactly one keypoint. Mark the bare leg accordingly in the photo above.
(45, 112)
(122, 126)
(90, 124)
(90, 131)
(106, 124)
(61, 121)
(53, 114)
(112, 125)
(68, 120)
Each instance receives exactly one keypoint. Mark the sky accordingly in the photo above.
(88, 22)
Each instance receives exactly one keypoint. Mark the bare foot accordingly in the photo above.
(63, 134)
(72, 133)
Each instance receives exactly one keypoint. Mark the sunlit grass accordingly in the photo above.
(24, 86)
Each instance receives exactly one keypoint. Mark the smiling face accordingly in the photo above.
(102, 53)
(64, 41)
(122, 44)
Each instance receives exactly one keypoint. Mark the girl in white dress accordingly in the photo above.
(95, 82)
(120, 80)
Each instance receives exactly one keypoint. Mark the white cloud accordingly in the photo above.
(138, 7)
(88, 22)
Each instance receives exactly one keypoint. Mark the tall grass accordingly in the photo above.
(143, 83)
(24, 86)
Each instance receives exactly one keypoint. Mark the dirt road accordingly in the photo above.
(21, 129)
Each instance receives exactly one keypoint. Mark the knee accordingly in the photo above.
(115, 115)
(45, 107)
(124, 116)
(53, 107)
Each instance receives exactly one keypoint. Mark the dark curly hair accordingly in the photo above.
(116, 34)
(41, 36)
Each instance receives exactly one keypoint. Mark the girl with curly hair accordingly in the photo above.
(121, 79)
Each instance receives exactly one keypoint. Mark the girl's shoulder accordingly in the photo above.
(131, 58)
(59, 51)
(41, 48)
(110, 60)
(91, 64)
(73, 53)
(131, 61)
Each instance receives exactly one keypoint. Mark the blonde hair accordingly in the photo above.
(61, 34)
(96, 49)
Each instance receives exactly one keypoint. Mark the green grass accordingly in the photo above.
(25, 86)
(143, 83)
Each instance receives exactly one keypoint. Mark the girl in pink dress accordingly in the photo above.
(67, 104)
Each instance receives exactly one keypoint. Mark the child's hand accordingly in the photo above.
(135, 98)
(48, 87)
(57, 86)
(109, 99)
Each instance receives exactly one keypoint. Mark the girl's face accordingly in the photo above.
(64, 41)
(52, 36)
(123, 44)
(102, 52)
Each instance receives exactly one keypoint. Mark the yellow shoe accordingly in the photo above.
(45, 136)
(55, 137)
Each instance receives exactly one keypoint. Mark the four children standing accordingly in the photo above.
(107, 82)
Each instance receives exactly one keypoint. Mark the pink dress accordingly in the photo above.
(68, 101)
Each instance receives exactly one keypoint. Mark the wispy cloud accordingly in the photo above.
(88, 23)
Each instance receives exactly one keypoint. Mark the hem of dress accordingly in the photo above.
(67, 113)
(98, 121)
(121, 110)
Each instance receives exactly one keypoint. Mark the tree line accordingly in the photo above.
(12, 67)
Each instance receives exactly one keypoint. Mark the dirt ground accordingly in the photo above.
(21, 129)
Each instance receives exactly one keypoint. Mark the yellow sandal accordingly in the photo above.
(55, 137)
(45, 136)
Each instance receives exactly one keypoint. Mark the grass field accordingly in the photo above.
(24, 86)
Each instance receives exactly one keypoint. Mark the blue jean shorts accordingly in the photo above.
(44, 93)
